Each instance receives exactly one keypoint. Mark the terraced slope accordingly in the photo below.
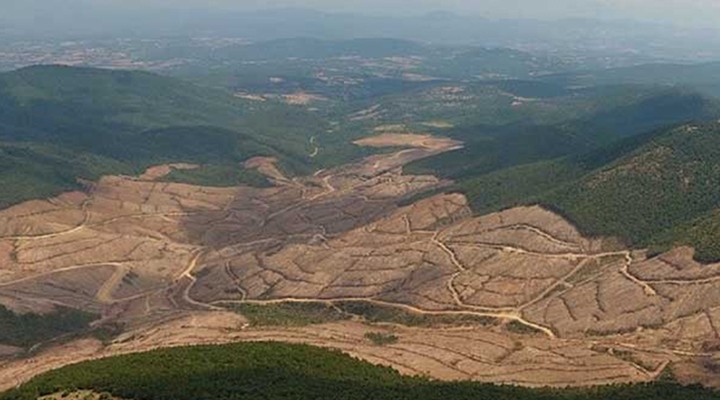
(519, 296)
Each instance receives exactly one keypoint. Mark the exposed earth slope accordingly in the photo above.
(519, 296)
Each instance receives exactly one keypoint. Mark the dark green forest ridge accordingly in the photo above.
(665, 192)
(60, 123)
(574, 123)
(27, 330)
(598, 156)
(704, 78)
(653, 190)
(276, 371)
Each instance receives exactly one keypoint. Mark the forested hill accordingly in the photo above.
(653, 190)
(702, 77)
(60, 123)
(279, 371)
(654, 194)
(574, 123)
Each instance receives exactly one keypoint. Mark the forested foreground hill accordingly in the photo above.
(60, 123)
(653, 190)
(283, 371)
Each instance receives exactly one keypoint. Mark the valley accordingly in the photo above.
(520, 296)
(404, 201)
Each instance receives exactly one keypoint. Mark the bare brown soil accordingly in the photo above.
(251, 97)
(166, 260)
(390, 128)
(268, 167)
(7, 351)
(439, 124)
(409, 140)
(302, 98)
(159, 171)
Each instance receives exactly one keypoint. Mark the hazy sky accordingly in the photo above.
(687, 12)
(705, 13)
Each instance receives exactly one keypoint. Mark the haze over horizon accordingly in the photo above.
(688, 13)
(684, 12)
(252, 199)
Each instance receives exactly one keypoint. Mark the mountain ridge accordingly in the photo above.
(125, 121)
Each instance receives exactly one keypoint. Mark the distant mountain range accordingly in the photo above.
(704, 77)
(584, 38)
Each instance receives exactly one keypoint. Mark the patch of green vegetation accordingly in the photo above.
(219, 176)
(519, 185)
(520, 328)
(668, 375)
(302, 314)
(374, 313)
(289, 314)
(278, 371)
(108, 332)
(381, 339)
(702, 233)
(26, 330)
(32, 171)
(527, 182)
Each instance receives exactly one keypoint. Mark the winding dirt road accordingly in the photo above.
(339, 236)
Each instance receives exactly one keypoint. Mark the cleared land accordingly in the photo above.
(539, 304)
(160, 171)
